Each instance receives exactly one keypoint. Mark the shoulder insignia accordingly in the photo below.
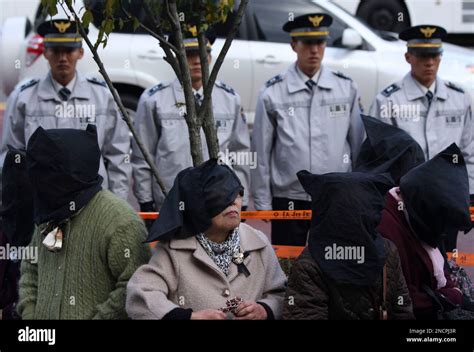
(227, 88)
(156, 88)
(455, 87)
(274, 80)
(341, 75)
(95, 80)
(390, 89)
(28, 84)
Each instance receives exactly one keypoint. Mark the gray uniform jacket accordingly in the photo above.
(36, 103)
(448, 119)
(318, 130)
(162, 127)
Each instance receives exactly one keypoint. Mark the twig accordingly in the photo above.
(117, 99)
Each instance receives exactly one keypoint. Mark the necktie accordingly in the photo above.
(310, 84)
(429, 96)
(64, 93)
(198, 98)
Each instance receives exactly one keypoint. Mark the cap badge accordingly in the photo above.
(62, 26)
(427, 32)
(193, 31)
(315, 20)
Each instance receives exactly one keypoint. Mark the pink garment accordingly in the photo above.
(435, 255)
(438, 264)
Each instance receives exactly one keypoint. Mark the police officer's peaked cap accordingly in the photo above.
(190, 39)
(312, 26)
(60, 32)
(424, 39)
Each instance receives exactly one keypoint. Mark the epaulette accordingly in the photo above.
(342, 75)
(274, 80)
(390, 89)
(156, 88)
(95, 80)
(227, 88)
(455, 87)
(28, 84)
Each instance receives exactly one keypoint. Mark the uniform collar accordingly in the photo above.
(425, 90)
(414, 90)
(296, 82)
(304, 77)
(58, 86)
(47, 89)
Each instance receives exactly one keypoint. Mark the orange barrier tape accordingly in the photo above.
(288, 252)
(272, 215)
(262, 215)
(462, 259)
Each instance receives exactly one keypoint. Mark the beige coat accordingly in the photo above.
(181, 274)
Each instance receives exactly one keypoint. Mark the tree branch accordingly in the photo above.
(191, 115)
(117, 99)
(224, 50)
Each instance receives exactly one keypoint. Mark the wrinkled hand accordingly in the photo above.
(249, 310)
(208, 314)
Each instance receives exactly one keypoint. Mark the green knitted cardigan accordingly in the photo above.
(87, 279)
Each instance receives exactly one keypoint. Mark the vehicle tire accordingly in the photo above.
(384, 15)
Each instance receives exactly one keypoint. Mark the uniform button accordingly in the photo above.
(56, 295)
(371, 310)
(59, 268)
(226, 293)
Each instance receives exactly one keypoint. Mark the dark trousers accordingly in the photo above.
(290, 232)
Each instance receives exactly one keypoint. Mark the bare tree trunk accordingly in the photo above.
(206, 116)
(206, 112)
(191, 115)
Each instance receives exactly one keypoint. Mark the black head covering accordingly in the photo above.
(17, 199)
(387, 149)
(436, 196)
(63, 166)
(346, 209)
(198, 194)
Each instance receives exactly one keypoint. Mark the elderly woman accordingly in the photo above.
(348, 271)
(207, 263)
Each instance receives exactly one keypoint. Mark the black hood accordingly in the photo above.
(198, 194)
(17, 199)
(346, 210)
(436, 196)
(387, 149)
(63, 166)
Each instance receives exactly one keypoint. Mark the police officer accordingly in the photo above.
(161, 124)
(66, 99)
(307, 118)
(434, 112)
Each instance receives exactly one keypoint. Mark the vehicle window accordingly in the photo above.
(269, 20)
